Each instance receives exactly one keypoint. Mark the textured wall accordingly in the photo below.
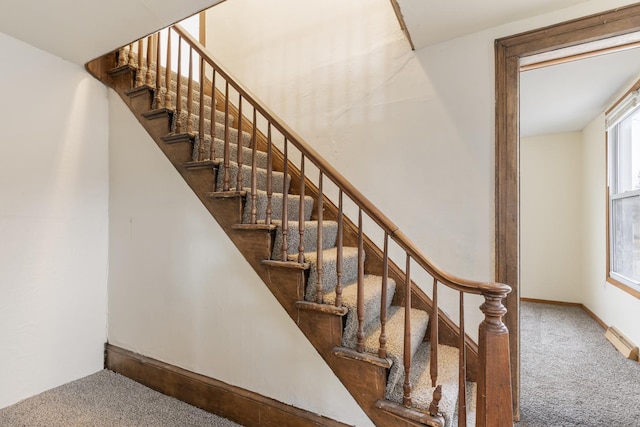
(53, 222)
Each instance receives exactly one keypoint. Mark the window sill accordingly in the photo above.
(633, 291)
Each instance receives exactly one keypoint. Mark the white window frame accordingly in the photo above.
(624, 109)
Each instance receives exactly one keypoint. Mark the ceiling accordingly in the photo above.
(566, 97)
(80, 31)
(573, 93)
(433, 21)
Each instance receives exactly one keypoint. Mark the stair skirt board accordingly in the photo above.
(422, 391)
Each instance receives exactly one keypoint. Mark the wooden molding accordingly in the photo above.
(234, 403)
(509, 50)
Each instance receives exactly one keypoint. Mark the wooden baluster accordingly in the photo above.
(494, 404)
(239, 176)
(406, 387)
(201, 150)
(285, 207)
(178, 127)
(131, 60)
(140, 71)
(301, 212)
(339, 252)
(149, 77)
(167, 76)
(269, 209)
(212, 131)
(122, 56)
(462, 369)
(382, 350)
(190, 94)
(434, 336)
(225, 185)
(157, 100)
(320, 252)
(360, 302)
(254, 175)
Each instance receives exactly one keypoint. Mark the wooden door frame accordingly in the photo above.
(509, 51)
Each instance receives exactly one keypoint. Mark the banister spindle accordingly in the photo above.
(201, 150)
(225, 185)
(320, 252)
(178, 127)
(434, 336)
(149, 76)
(462, 369)
(131, 59)
(360, 284)
(212, 131)
(140, 71)
(285, 206)
(167, 76)
(190, 93)
(301, 213)
(406, 387)
(239, 177)
(122, 56)
(382, 350)
(339, 252)
(157, 100)
(269, 208)
(254, 175)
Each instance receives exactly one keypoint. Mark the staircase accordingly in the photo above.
(403, 360)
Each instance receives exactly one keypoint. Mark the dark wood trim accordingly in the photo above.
(234, 403)
(569, 304)
(509, 50)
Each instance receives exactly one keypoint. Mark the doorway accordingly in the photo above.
(607, 28)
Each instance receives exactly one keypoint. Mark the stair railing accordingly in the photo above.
(494, 404)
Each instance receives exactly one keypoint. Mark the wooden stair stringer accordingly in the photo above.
(323, 328)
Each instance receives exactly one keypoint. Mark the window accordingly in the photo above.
(623, 137)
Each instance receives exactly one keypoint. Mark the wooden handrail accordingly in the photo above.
(464, 285)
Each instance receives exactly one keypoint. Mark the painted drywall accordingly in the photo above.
(614, 306)
(180, 292)
(421, 123)
(53, 222)
(551, 217)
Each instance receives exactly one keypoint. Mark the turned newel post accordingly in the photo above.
(494, 406)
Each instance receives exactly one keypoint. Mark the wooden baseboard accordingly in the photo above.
(570, 304)
(234, 403)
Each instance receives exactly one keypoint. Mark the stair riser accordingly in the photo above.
(310, 240)
(329, 274)
(293, 203)
(247, 153)
(278, 182)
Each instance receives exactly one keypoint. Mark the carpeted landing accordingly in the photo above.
(571, 375)
(106, 399)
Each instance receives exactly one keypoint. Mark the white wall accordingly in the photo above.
(53, 222)
(551, 215)
(422, 123)
(611, 304)
(180, 292)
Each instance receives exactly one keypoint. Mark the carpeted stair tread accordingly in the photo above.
(395, 339)
(310, 237)
(247, 152)
(422, 391)
(472, 399)
(195, 115)
(278, 182)
(329, 272)
(372, 297)
(293, 203)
